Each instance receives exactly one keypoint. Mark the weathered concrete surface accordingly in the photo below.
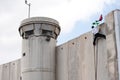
(107, 58)
(62, 62)
(81, 60)
(39, 44)
(10, 71)
(101, 52)
(76, 59)
(111, 47)
(117, 35)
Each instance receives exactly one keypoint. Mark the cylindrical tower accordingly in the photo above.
(38, 48)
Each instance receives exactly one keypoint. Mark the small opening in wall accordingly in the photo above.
(62, 48)
(73, 43)
(85, 37)
(24, 54)
(29, 32)
(46, 32)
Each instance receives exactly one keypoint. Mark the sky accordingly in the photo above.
(74, 16)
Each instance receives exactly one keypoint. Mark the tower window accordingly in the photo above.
(46, 32)
(28, 33)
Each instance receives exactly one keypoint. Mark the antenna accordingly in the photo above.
(29, 4)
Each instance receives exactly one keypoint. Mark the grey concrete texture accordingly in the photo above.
(38, 60)
(117, 35)
(39, 20)
(11, 70)
(112, 46)
(39, 25)
(78, 59)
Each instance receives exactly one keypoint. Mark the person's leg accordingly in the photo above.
(101, 35)
(94, 41)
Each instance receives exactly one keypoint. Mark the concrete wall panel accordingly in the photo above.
(10, 71)
(6, 72)
(1, 66)
(76, 59)
(111, 46)
(85, 51)
(73, 60)
(15, 70)
(62, 62)
(102, 56)
(117, 35)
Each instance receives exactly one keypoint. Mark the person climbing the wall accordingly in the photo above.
(96, 30)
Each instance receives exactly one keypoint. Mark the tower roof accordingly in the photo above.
(33, 20)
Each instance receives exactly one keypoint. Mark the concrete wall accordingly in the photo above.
(112, 46)
(75, 59)
(78, 59)
(117, 33)
(10, 71)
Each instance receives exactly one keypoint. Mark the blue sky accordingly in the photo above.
(75, 18)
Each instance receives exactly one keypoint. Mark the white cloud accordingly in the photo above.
(67, 12)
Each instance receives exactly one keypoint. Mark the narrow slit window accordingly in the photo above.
(47, 32)
(28, 33)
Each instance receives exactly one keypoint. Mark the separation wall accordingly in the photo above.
(112, 46)
(117, 33)
(78, 59)
(10, 71)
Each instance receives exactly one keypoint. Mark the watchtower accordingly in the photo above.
(38, 48)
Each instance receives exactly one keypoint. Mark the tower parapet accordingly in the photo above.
(39, 26)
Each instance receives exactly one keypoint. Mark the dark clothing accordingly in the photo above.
(98, 35)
